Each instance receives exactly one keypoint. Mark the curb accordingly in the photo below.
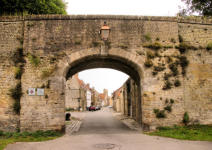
(129, 122)
(73, 127)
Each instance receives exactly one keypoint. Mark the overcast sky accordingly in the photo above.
(124, 7)
(108, 78)
(103, 78)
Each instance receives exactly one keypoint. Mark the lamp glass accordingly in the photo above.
(105, 34)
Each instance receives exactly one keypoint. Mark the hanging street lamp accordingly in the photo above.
(105, 32)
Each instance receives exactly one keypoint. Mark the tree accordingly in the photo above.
(203, 7)
(22, 7)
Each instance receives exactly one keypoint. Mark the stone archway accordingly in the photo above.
(61, 41)
(77, 61)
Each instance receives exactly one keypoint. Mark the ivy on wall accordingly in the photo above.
(167, 108)
(18, 61)
(173, 63)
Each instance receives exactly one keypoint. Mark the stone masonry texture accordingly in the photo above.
(55, 47)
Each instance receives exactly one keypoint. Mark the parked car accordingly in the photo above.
(98, 107)
(92, 108)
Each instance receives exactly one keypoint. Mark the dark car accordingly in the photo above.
(92, 108)
(98, 107)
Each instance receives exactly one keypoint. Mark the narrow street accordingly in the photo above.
(102, 122)
(101, 131)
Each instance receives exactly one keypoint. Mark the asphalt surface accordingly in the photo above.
(102, 122)
(101, 131)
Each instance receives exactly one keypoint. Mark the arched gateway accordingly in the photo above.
(44, 51)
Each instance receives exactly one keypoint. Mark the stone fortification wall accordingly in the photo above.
(51, 43)
(10, 36)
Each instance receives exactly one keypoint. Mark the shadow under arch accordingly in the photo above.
(113, 62)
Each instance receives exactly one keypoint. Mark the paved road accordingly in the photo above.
(102, 122)
(100, 131)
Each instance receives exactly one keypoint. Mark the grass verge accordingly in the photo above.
(9, 138)
(191, 132)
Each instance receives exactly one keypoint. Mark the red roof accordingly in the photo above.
(102, 96)
(81, 83)
(117, 92)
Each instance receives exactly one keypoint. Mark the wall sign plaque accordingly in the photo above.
(31, 91)
(40, 91)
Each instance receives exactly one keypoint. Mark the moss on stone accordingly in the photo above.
(209, 46)
(34, 60)
(154, 46)
(16, 94)
(148, 63)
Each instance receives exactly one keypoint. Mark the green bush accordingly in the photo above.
(173, 40)
(159, 68)
(167, 46)
(1, 133)
(173, 68)
(167, 76)
(154, 46)
(17, 56)
(171, 101)
(18, 72)
(167, 85)
(147, 37)
(21, 7)
(36, 134)
(69, 109)
(16, 94)
(168, 108)
(169, 59)
(183, 63)
(163, 128)
(148, 63)
(177, 83)
(161, 114)
(180, 38)
(183, 47)
(186, 118)
(154, 73)
(34, 60)
(156, 111)
(209, 46)
(150, 55)
(48, 84)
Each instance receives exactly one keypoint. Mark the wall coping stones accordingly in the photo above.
(188, 19)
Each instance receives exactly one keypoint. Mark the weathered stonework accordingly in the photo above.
(65, 45)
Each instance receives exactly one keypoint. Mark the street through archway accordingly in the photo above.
(101, 130)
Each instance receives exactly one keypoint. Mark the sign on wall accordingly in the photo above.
(40, 92)
(31, 91)
(34, 91)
